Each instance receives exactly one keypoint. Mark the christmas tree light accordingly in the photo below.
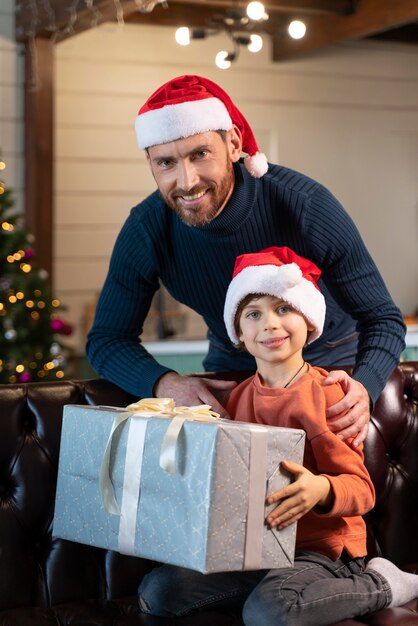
(31, 348)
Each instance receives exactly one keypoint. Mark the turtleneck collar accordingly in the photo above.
(238, 207)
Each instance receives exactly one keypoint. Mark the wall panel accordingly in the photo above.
(347, 116)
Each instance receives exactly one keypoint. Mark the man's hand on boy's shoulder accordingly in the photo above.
(194, 390)
(355, 405)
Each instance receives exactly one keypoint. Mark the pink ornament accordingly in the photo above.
(57, 325)
(25, 377)
(29, 253)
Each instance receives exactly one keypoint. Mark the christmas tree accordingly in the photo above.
(31, 327)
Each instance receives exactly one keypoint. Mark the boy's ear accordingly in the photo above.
(308, 334)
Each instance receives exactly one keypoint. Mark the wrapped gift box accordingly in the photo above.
(188, 493)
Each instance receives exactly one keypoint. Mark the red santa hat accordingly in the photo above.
(276, 272)
(189, 105)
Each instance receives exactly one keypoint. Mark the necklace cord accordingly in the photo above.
(294, 375)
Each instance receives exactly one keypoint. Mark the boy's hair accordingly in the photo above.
(248, 298)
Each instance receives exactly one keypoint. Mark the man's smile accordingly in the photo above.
(192, 197)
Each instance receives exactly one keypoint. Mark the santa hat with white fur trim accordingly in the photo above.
(276, 272)
(189, 105)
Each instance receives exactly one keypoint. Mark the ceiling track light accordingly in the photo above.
(296, 29)
(236, 23)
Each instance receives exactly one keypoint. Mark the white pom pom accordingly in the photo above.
(256, 165)
(291, 275)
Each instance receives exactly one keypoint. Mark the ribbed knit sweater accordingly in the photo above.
(195, 264)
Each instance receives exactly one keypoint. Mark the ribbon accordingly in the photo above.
(146, 408)
(253, 550)
(131, 485)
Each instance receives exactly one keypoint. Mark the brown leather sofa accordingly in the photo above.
(47, 582)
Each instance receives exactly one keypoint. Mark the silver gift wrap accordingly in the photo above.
(197, 501)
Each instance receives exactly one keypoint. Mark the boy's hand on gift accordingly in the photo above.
(355, 407)
(194, 390)
(299, 497)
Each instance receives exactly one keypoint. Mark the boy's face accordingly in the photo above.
(272, 331)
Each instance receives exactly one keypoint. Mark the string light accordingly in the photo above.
(256, 43)
(297, 29)
(256, 11)
(96, 14)
(223, 60)
(182, 36)
(119, 12)
(26, 322)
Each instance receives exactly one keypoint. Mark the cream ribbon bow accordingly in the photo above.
(165, 407)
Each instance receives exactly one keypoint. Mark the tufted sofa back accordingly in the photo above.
(36, 570)
(391, 452)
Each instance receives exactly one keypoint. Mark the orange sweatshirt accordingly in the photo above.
(303, 406)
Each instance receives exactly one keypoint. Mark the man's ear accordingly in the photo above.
(234, 142)
(149, 163)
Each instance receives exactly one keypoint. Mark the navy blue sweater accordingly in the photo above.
(195, 264)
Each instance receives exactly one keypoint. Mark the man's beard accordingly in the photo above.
(219, 194)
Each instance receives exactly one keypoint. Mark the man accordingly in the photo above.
(210, 207)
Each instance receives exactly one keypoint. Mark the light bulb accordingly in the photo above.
(255, 10)
(255, 44)
(296, 29)
(183, 36)
(221, 60)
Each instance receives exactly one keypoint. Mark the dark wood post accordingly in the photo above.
(39, 148)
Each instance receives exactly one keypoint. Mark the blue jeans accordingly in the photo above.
(316, 591)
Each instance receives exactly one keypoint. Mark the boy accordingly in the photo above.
(273, 308)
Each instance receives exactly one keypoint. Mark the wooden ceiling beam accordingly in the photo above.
(371, 17)
(33, 20)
